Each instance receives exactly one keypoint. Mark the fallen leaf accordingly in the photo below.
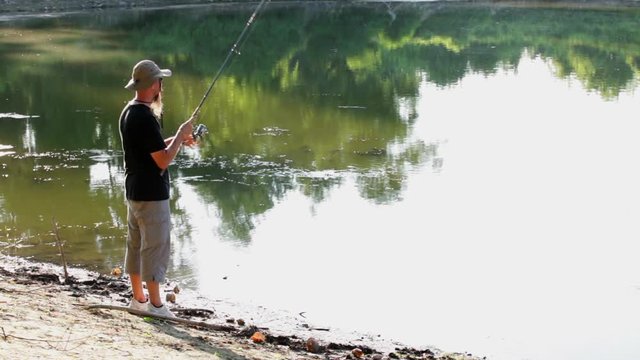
(116, 271)
(258, 337)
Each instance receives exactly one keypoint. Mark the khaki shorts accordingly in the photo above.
(148, 239)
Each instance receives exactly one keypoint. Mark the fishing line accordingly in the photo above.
(235, 49)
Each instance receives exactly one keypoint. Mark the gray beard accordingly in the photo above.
(156, 107)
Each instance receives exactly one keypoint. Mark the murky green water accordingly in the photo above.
(463, 177)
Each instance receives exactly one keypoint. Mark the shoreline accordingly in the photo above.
(44, 315)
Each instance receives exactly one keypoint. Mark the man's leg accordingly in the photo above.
(136, 287)
(154, 293)
(156, 248)
(132, 256)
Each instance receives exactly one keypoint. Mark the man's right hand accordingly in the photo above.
(185, 131)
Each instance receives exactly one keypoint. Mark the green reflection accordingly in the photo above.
(318, 93)
(79, 190)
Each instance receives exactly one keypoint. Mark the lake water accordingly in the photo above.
(455, 176)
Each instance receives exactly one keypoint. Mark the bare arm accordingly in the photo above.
(165, 156)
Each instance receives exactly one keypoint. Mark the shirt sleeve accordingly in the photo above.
(152, 139)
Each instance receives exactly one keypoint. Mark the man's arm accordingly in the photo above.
(165, 156)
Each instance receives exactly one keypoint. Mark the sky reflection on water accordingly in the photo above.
(525, 236)
(467, 187)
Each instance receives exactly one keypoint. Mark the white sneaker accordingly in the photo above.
(161, 311)
(137, 305)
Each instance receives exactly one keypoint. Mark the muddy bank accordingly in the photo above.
(33, 295)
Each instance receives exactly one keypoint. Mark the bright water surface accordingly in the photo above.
(455, 176)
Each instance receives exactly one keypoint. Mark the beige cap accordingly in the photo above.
(144, 74)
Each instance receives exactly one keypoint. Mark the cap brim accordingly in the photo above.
(165, 72)
(131, 85)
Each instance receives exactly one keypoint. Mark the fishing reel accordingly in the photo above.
(199, 131)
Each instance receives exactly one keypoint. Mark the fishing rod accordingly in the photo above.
(201, 128)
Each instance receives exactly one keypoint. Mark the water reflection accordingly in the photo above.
(347, 142)
(29, 138)
(313, 101)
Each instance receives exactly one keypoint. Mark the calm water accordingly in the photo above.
(461, 177)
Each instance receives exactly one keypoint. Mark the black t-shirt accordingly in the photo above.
(141, 136)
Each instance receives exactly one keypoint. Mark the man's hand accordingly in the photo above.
(185, 132)
(190, 141)
(184, 136)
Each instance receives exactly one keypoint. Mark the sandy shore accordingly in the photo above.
(42, 316)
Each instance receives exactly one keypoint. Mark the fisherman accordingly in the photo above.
(146, 158)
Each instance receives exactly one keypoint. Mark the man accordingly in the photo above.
(146, 158)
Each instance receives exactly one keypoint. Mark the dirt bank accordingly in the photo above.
(44, 316)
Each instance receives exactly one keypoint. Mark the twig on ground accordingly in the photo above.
(6, 336)
(30, 291)
(202, 324)
(64, 260)
(67, 343)
(193, 310)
